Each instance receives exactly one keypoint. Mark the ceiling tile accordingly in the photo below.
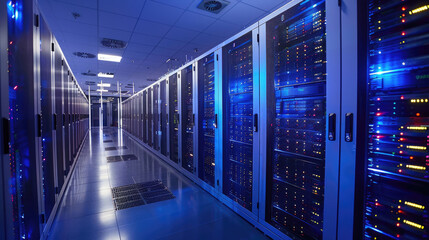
(181, 34)
(207, 40)
(266, 5)
(171, 44)
(138, 48)
(151, 28)
(183, 4)
(131, 8)
(143, 39)
(188, 21)
(243, 14)
(165, 53)
(223, 29)
(116, 21)
(83, 3)
(161, 13)
(65, 11)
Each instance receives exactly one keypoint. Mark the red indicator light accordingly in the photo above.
(401, 152)
(411, 157)
(378, 99)
(400, 170)
(403, 33)
(402, 134)
(397, 235)
(418, 114)
(377, 204)
(402, 97)
(378, 114)
(397, 224)
(403, 20)
(11, 42)
(403, 8)
(401, 139)
(16, 87)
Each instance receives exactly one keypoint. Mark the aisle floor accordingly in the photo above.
(88, 210)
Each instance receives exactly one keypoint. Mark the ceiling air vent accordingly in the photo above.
(84, 55)
(213, 6)
(89, 74)
(90, 83)
(112, 43)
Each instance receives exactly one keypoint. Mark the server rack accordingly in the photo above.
(141, 117)
(300, 120)
(59, 115)
(46, 118)
(66, 120)
(391, 196)
(240, 106)
(149, 113)
(163, 116)
(156, 118)
(187, 118)
(208, 120)
(24, 160)
(145, 117)
(6, 226)
(173, 97)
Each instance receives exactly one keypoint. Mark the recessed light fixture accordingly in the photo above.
(103, 84)
(110, 58)
(106, 75)
(102, 90)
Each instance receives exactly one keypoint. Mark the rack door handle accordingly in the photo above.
(331, 126)
(215, 121)
(255, 122)
(349, 127)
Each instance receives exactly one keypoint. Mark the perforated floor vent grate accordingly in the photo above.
(126, 157)
(115, 148)
(138, 194)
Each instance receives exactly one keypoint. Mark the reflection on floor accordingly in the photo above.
(88, 210)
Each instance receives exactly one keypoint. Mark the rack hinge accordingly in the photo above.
(53, 47)
(42, 218)
(257, 205)
(217, 182)
(257, 38)
(217, 57)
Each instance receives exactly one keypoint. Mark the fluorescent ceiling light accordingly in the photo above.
(106, 75)
(103, 84)
(110, 58)
(102, 90)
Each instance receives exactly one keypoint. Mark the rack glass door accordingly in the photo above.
(296, 97)
(397, 186)
(155, 106)
(145, 127)
(150, 120)
(188, 119)
(163, 115)
(174, 117)
(237, 70)
(206, 111)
